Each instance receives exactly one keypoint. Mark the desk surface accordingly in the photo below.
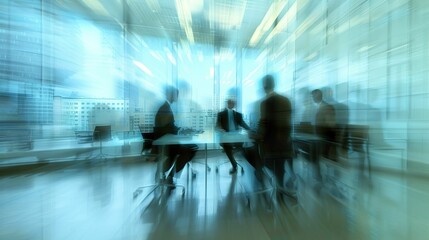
(220, 137)
(305, 137)
(204, 138)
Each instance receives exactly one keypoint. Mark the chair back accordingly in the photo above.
(84, 136)
(102, 133)
(304, 127)
(148, 138)
(357, 137)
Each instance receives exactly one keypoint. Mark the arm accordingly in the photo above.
(241, 122)
(219, 122)
(261, 125)
(164, 121)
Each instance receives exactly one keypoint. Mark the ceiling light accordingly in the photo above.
(227, 15)
(96, 6)
(266, 23)
(143, 67)
(284, 21)
(185, 19)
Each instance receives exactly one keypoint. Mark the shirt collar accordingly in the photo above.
(270, 94)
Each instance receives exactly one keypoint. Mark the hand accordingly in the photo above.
(252, 135)
(186, 131)
(220, 130)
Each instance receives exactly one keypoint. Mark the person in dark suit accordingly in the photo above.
(164, 124)
(325, 125)
(341, 120)
(274, 131)
(230, 120)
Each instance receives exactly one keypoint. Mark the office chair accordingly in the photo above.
(102, 134)
(149, 150)
(160, 179)
(268, 174)
(189, 164)
(191, 169)
(84, 137)
(235, 149)
(358, 142)
(271, 188)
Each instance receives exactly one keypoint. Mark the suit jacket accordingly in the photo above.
(325, 121)
(223, 121)
(274, 128)
(164, 121)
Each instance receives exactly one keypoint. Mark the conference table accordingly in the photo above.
(205, 138)
(307, 144)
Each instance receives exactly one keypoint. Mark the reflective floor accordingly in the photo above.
(95, 201)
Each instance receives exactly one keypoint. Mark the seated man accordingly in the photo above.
(164, 124)
(229, 121)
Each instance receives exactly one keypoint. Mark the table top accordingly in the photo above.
(220, 137)
(204, 138)
(305, 137)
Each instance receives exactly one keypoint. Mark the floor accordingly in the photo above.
(95, 201)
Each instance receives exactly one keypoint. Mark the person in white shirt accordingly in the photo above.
(230, 120)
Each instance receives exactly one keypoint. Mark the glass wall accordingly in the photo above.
(369, 56)
(196, 83)
(65, 70)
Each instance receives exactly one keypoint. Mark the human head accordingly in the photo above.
(171, 93)
(317, 95)
(268, 83)
(230, 103)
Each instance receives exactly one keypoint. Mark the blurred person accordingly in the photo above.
(368, 114)
(375, 120)
(187, 108)
(230, 120)
(308, 109)
(341, 119)
(164, 124)
(274, 133)
(325, 125)
(251, 149)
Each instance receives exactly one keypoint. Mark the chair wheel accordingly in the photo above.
(194, 175)
(209, 169)
(217, 169)
(242, 170)
(183, 192)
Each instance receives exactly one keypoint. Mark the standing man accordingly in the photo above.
(230, 120)
(274, 131)
(164, 124)
(325, 125)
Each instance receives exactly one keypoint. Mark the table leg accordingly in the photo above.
(206, 173)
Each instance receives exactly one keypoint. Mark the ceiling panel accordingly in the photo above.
(221, 22)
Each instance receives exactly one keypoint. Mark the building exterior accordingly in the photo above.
(84, 114)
